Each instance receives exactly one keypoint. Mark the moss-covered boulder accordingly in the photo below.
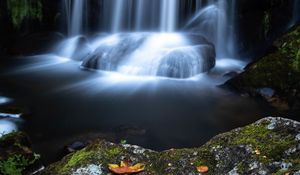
(16, 155)
(279, 70)
(269, 146)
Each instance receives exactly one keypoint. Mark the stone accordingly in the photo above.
(228, 153)
(276, 75)
(187, 62)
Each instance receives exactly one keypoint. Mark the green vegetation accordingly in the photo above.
(16, 164)
(16, 154)
(232, 150)
(20, 10)
(279, 70)
(268, 142)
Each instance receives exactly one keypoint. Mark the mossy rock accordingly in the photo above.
(279, 70)
(16, 155)
(268, 146)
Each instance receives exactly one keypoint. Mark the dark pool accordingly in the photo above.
(66, 103)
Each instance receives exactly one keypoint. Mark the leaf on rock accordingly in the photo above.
(124, 168)
(202, 169)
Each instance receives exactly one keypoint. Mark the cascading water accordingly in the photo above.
(145, 37)
(169, 14)
(75, 16)
(118, 14)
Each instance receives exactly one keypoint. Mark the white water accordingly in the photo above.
(75, 16)
(213, 19)
(118, 14)
(169, 13)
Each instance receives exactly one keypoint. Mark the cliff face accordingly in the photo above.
(271, 145)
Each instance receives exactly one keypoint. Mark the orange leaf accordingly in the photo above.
(124, 168)
(202, 169)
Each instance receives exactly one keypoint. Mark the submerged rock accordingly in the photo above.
(185, 62)
(278, 70)
(254, 149)
(76, 48)
(113, 50)
(16, 155)
(153, 54)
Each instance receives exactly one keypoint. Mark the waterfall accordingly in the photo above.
(139, 14)
(169, 14)
(117, 16)
(170, 38)
(216, 22)
(75, 16)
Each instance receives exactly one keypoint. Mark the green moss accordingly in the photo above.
(78, 158)
(219, 154)
(112, 152)
(22, 9)
(279, 70)
(269, 142)
(16, 164)
(7, 136)
(242, 167)
(205, 157)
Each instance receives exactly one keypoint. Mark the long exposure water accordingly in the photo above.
(142, 76)
(66, 104)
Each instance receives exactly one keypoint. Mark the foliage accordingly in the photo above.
(19, 10)
(125, 168)
(16, 164)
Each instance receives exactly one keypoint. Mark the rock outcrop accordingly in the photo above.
(268, 146)
(277, 72)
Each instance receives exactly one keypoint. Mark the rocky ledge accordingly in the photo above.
(268, 146)
(276, 76)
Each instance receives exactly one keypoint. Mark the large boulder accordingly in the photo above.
(155, 54)
(279, 70)
(268, 146)
(185, 62)
(112, 50)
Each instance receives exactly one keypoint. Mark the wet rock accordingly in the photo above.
(112, 50)
(266, 92)
(234, 152)
(76, 48)
(153, 54)
(82, 49)
(275, 76)
(188, 61)
(75, 146)
(231, 74)
(16, 155)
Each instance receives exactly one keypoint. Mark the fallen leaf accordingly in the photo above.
(124, 168)
(202, 169)
(257, 152)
